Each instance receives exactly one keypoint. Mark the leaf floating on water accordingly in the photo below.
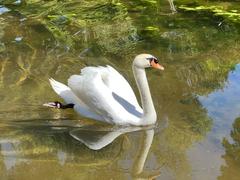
(233, 10)
(232, 14)
(151, 1)
(151, 28)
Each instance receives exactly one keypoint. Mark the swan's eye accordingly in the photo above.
(153, 59)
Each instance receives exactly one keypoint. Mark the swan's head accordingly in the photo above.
(146, 61)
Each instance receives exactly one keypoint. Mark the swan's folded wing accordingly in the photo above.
(69, 97)
(120, 87)
(63, 91)
(93, 91)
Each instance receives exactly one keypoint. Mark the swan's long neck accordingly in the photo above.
(149, 113)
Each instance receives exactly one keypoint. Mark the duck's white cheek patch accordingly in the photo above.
(58, 105)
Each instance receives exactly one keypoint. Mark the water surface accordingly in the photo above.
(196, 97)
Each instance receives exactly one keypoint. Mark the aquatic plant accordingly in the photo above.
(232, 15)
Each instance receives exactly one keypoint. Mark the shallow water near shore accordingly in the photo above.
(197, 96)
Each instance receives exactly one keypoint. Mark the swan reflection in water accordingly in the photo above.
(98, 139)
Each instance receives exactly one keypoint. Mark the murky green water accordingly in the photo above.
(197, 97)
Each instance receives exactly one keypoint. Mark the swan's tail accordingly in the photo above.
(58, 87)
(70, 98)
(63, 91)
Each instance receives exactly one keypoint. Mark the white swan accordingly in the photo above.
(101, 93)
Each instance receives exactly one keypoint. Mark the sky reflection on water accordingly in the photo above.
(223, 107)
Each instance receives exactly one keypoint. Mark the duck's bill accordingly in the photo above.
(50, 104)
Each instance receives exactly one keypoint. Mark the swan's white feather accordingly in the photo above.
(106, 92)
(115, 82)
(69, 97)
(62, 90)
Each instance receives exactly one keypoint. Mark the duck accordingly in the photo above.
(103, 94)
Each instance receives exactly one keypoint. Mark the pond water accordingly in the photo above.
(197, 99)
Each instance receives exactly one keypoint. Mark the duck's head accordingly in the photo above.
(146, 61)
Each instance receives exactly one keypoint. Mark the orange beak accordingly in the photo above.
(156, 65)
